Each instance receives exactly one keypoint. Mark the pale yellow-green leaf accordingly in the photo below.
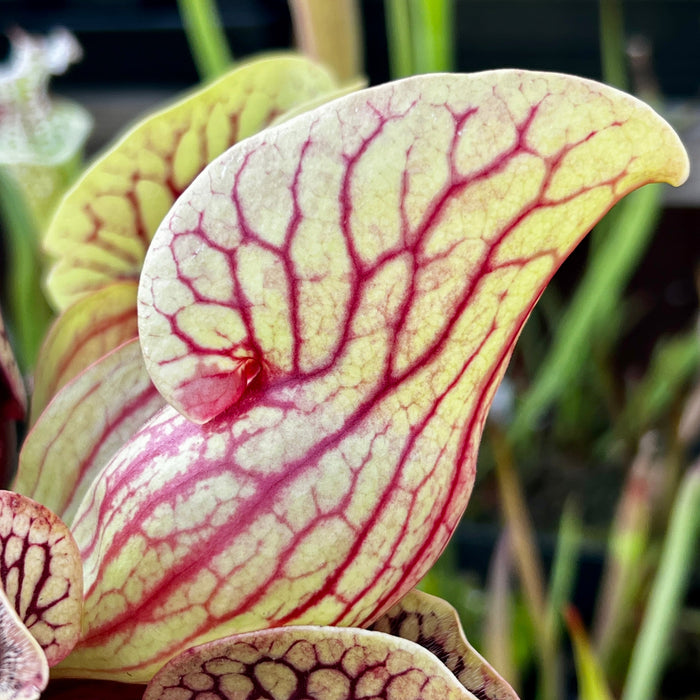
(102, 228)
(86, 331)
(85, 423)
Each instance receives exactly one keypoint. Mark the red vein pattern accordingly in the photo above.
(435, 625)
(40, 573)
(336, 300)
(307, 662)
(102, 228)
(104, 406)
(86, 331)
(338, 663)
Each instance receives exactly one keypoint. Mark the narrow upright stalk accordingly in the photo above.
(398, 32)
(668, 589)
(564, 567)
(498, 623)
(28, 313)
(527, 559)
(612, 44)
(433, 35)
(624, 570)
(206, 37)
(592, 684)
(330, 32)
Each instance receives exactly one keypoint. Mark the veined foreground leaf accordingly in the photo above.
(339, 296)
(103, 406)
(338, 663)
(434, 624)
(102, 228)
(473, 187)
(86, 331)
(333, 663)
(42, 575)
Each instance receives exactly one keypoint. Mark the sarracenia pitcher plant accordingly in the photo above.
(261, 453)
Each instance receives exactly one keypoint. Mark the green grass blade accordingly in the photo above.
(674, 363)
(527, 559)
(498, 623)
(628, 540)
(669, 586)
(206, 37)
(612, 44)
(589, 673)
(564, 567)
(27, 313)
(433, 47)
(398, 29)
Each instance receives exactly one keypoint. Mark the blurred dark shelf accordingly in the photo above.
(141, 41)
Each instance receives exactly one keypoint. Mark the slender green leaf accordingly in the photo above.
(206, 37)
(28, 313)
(674, 363)
(612, 43)
(627, 544)
(433, 37)
(591, 679)
(398, 29)
(564, 567)
(677, 558)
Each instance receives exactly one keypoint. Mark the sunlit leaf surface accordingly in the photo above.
(86, 331)
(338, 297)
(104, 225)
(83, 426)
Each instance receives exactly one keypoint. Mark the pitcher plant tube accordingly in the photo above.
(324, 316)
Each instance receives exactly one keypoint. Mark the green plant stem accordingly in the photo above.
(669, 586)
(674, 363)
(206, 37)
(433, 44)
(589, 673)
(627, 549)
(527, 559)
(605, 277)
(330, 33)
(498, 624)
(612, 44)
(398, 29)
(564, 567)
(28, 313)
